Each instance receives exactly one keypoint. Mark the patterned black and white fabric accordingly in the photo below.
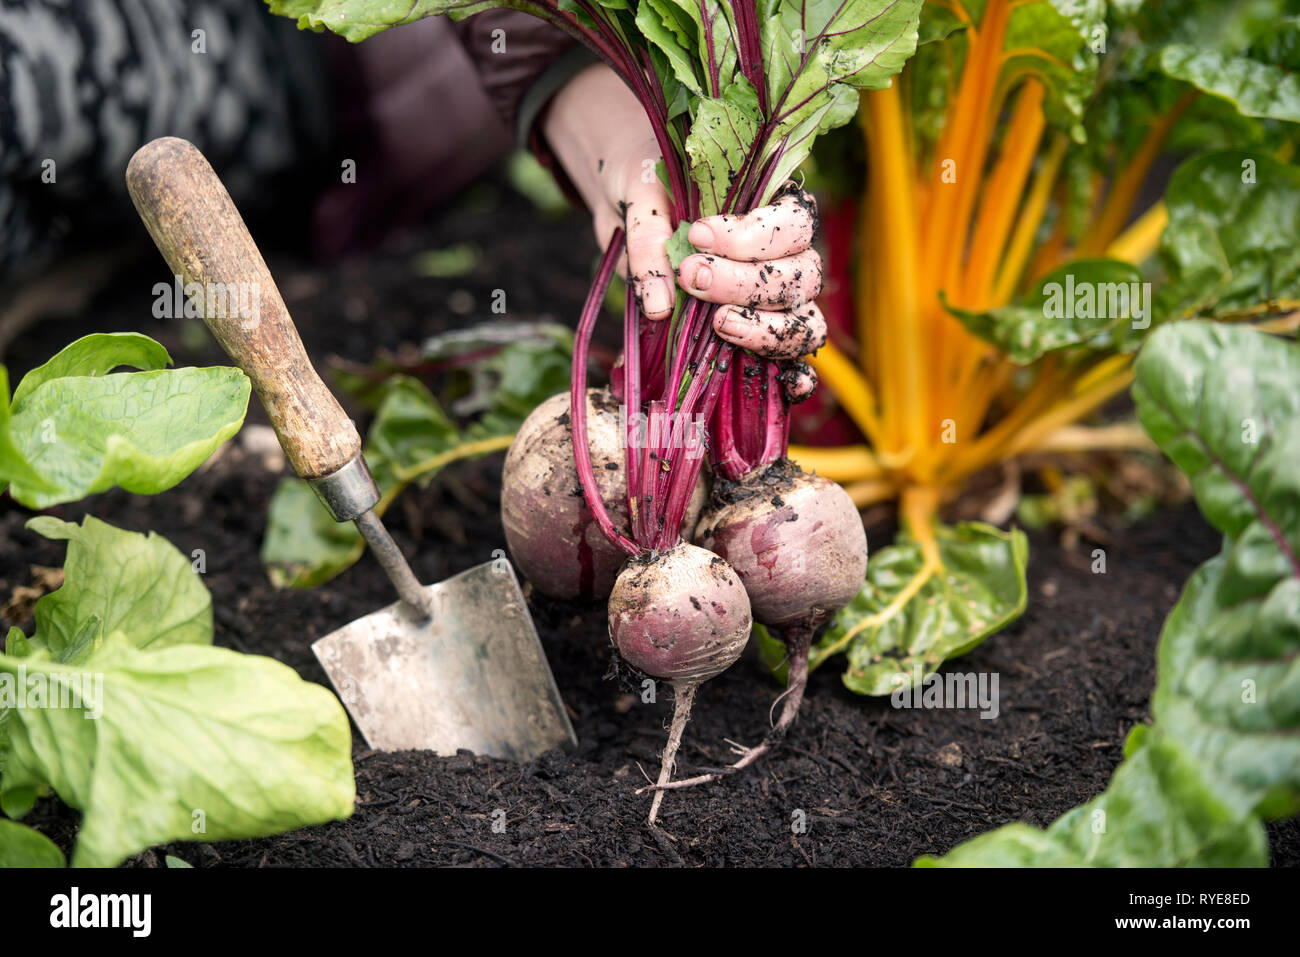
(84, 82)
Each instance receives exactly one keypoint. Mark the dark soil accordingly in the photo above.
(876, 785)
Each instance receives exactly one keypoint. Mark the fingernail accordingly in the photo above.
(700, 235)
(656, 297)
(725, 324)
(702, 279)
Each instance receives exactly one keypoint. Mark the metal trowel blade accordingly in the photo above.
(474, 676)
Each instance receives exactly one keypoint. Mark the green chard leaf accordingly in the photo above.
(74, 429)
(1089, 302)
(1254, 87)
(1230, 243)
(1224, 748)
(1221, 401)
(1157, 812)
(979, 590)
(1058, 43)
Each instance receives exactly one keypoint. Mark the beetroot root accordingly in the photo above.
(797, 542)
(552, 535)
(683, 616)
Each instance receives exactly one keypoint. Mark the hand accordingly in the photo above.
(760, 268)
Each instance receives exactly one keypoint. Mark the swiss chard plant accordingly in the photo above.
(118, 702)
(1222, 753)
(989, 286)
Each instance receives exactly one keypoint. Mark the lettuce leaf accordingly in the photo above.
(75, 428)
(167, 738)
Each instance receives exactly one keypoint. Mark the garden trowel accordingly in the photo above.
(449, 666)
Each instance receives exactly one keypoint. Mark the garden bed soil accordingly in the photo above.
(876, 785)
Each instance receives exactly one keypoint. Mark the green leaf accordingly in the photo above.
(142, 431)
(1053, 41)
(830, 112)
(355, 20)
(303, 546)
(1057, 43)
(815, 53)
(673, 31)
(1224, 749)
(457, 259)
(711, 28)
(1157, 812)
(1083, 303)
(1217, 399)
(139, 585)
(722, 134)
(531, 179)
(14, 466)
(1255, 88)
(809, 45)
(97, 354)
(191, 742)
(1230, 243)
(20, 846)
(409, 428)
(1221, 401)
(175, 862)
(678, 246)
(978, 591)
(1227, 694)
(410, 440)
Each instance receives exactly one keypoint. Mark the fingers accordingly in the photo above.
(783, 229)
(774, 334)
(648, 228)
(780, 283)
(800, 381)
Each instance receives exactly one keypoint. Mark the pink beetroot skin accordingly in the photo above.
(681, 615)
(552, 535)
(796, 541)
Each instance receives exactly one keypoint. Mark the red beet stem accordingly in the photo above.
(578, 395)
(632, 405)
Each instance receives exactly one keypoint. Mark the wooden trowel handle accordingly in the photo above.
(200, 233)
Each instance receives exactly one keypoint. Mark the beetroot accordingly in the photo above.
(552, 535)
(681, 615)
(796, 541)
